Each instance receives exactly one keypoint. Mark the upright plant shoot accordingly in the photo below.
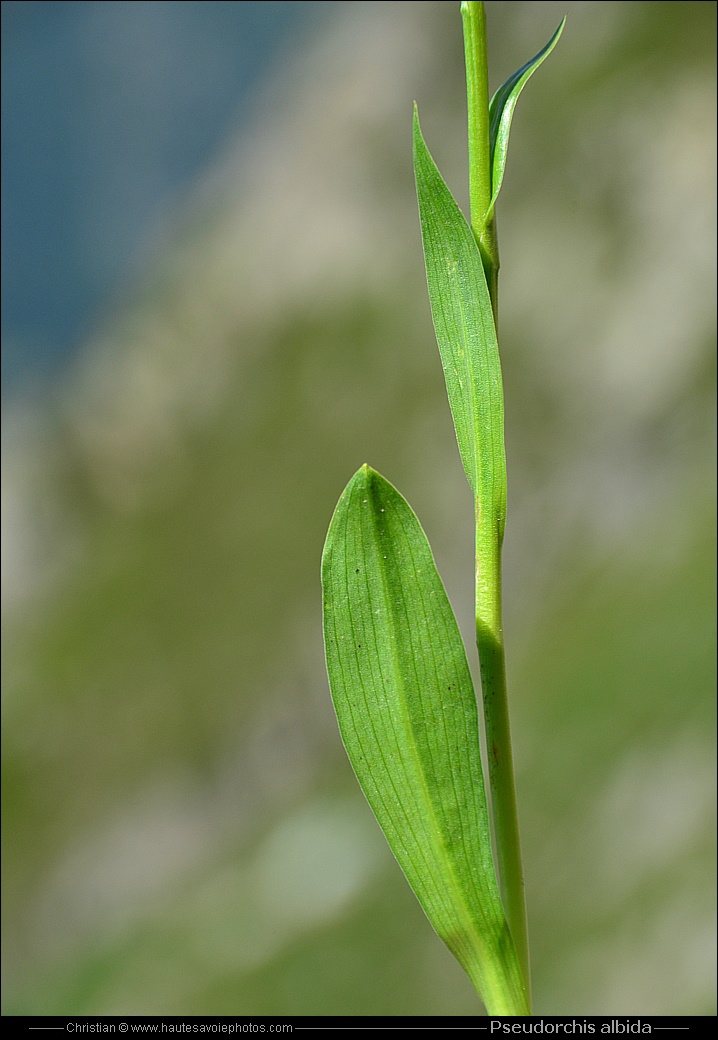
(397, 667)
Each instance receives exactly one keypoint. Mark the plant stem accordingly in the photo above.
(490, 522)
(490, 643)
(477, 96)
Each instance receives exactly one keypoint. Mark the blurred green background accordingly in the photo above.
(182, 831)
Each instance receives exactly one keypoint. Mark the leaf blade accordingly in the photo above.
(465, 332)
(407, 713)
(501, 111)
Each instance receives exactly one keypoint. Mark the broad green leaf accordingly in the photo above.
(465, 332)
(407, 713)
(501, 111)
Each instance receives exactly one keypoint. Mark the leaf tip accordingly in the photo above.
(415, 124)
(363, 478)
(365, 473)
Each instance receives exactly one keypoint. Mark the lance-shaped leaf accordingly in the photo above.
(501, 111)
(465, 333)
(407, 713)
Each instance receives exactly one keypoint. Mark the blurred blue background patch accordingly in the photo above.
(109, 111)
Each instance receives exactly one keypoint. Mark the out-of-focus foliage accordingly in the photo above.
(182, 832)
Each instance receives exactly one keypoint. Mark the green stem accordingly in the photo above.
(490, 643)
(489, 525)
(477, 96)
